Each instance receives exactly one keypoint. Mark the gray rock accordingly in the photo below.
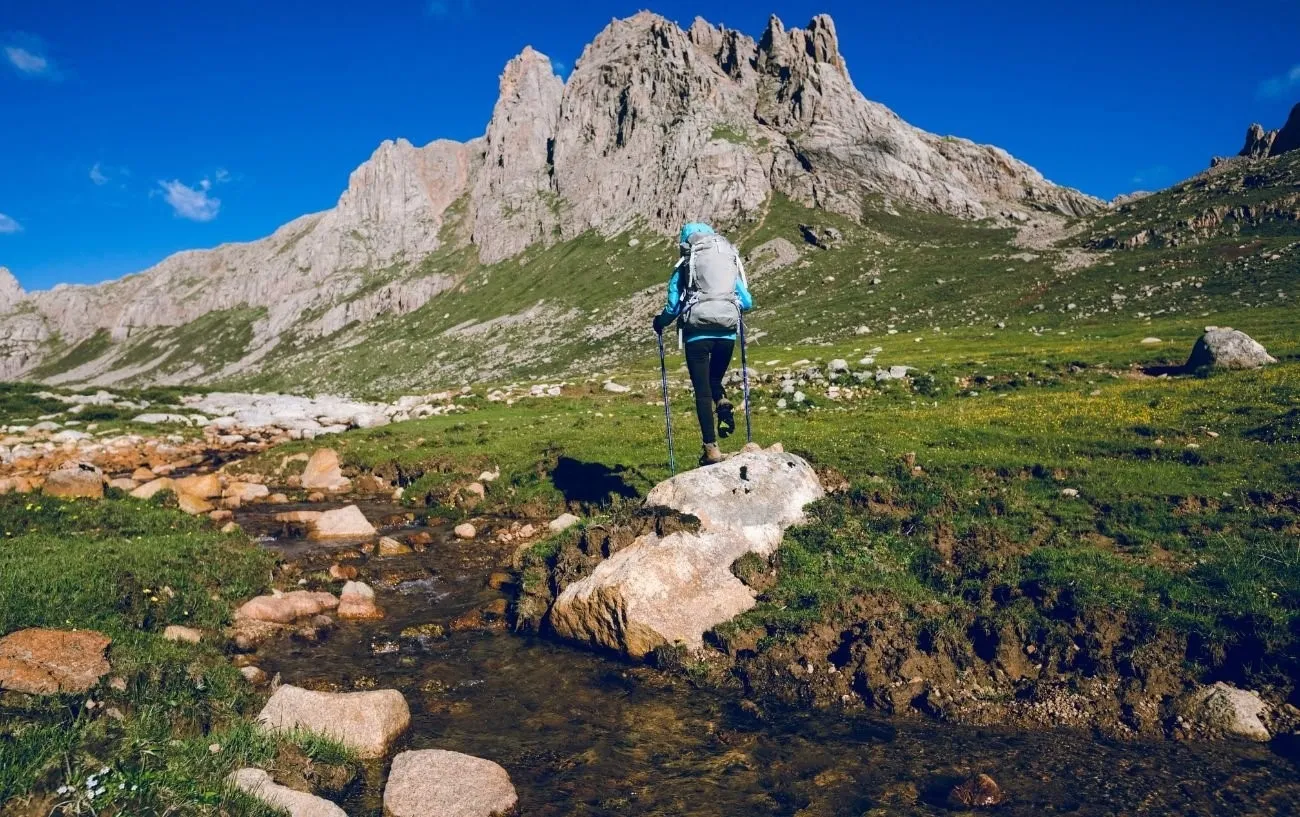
(1224, 348)
(438, 783)
(563, 522)
(162, 419)
(1226, 709)
(671, 590)
(365, 722)
(615, 388)
(893, 373)
(514, 191)
(1259, 142)
(839, 366)
(342, 523)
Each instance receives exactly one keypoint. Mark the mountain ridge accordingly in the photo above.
(655, 125)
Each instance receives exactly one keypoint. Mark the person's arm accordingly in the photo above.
(742, 294)
(673, 305)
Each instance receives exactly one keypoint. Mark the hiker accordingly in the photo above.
(706, 295)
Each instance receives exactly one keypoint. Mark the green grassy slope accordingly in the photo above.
(1221, 248)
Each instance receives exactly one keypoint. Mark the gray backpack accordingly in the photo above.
(712, 267)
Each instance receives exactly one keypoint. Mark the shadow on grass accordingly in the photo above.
(1167, 371)
(591, 483)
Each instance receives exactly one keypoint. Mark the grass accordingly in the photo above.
(730, 133)
(129, 569)
(1185, 520)
(19, 403)
(90, 349)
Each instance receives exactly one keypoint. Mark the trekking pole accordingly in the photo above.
(668, 414)
(744, 378)
(744, 363)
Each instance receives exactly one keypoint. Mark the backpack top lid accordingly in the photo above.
(694, 228)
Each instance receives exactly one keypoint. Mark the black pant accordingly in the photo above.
(707, 361)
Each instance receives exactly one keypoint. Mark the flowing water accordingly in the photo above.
(584, 734)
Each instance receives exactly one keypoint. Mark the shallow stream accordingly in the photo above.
(584, 734)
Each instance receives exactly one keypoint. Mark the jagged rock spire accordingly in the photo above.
(514, 197)
(11, 292)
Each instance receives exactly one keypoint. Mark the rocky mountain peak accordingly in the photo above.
(1288, 138)
(780, 50)
(11, 292)
(514, 194)
(656, 125)
(733, 51)
(1258, 142)
(1261, 143)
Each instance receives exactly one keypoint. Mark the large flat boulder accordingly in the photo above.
(342, 523)
(757, 494)
(437, 783)
(258, 784)
(45, 662)
(286, 608)
(656, 592)
(365, 722)
(1226, 348)
(671, 590)
(78, 481)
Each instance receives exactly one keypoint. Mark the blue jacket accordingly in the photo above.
(677, 299)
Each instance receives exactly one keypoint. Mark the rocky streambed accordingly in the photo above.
(585, 732)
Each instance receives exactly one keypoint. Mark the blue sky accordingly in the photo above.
(133, 130)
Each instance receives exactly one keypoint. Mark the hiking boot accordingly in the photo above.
(712, 454)
(726, 419)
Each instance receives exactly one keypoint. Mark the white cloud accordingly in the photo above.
(27, 55)
(26, 61)
(222, 175)
(8, 225)
(1280, 85)
(192, 203)
(97, 175)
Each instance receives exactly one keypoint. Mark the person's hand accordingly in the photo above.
(661, 323)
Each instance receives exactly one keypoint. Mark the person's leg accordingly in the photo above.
(697, 363)
(719, 360)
